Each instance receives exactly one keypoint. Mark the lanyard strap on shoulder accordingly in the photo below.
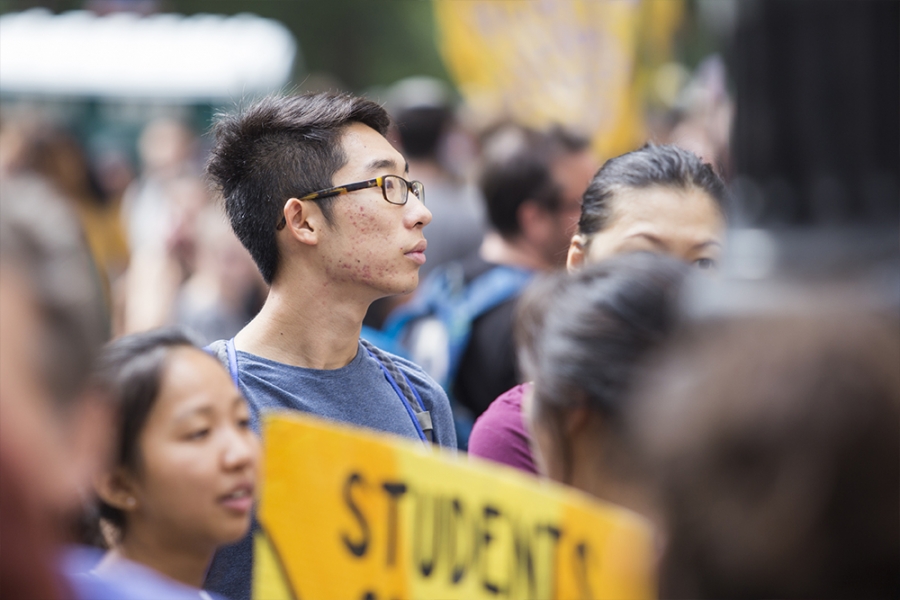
(232, 362)
(421, 420)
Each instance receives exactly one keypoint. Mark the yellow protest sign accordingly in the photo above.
(354, 514)
(580, 63)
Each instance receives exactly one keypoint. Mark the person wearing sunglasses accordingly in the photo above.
(323, 203)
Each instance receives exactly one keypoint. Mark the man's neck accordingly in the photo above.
(306, 322)
(515, 252)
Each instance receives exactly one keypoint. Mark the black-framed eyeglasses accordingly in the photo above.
(394, 188)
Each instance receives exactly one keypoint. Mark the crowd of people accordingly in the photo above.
(762, 447)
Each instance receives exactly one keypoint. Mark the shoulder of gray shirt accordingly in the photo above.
(433, 395)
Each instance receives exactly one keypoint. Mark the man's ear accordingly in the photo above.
(304, 220)
(114, 487)
(577, 252)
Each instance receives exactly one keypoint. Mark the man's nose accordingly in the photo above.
(417, 212)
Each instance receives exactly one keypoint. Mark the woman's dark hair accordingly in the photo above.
(652, 165)
(278, 148)
(582, 337)
(530, 316)
(129, 372)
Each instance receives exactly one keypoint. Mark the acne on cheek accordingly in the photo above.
(370, 265)
(360, 227)
(356, 269)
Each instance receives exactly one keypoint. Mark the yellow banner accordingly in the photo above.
(573, 62)
(355, 515)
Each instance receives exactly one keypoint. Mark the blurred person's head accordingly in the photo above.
(421, 110)
(183, 473)
(166, 148)
(115, 172)
(421, 130)
(223, 259)
(659, 199)
(37, 148)
(775, 446)
(582, 338)
(532, 184)
(52, 323)
(271, 160)
(188, 197)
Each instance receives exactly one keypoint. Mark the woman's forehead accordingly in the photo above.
(664, 207)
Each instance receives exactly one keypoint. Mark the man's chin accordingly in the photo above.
(401, 289)
(409, 287)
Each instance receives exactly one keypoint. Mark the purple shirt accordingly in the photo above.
(499, 433)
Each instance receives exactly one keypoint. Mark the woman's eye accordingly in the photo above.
(244, 423)
(199, 434)
(705, 263)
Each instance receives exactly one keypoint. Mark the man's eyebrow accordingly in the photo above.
(385, 163)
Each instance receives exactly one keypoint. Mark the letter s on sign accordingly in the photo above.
(358, 549)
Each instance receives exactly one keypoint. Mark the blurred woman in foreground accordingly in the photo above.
(184, 474)
(582, 338)
(773, 442)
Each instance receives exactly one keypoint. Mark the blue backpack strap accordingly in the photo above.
(485, 292)
(382, 341)
(444, 296)
(443, 283)
(407, 393)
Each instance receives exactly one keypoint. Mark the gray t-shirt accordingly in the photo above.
(358, 394)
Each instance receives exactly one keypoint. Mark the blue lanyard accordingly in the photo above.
(409, 410)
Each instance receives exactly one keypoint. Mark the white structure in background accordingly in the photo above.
(166, 56)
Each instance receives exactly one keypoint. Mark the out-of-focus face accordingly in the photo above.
(30, 426)
(198, 456)
(373, 243)
(572, 173)
(684, 223)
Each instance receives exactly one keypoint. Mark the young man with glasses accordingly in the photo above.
(319, 197)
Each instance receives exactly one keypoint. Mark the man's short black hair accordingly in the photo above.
(516, 166)
(282, 147)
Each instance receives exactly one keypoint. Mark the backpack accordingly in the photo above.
(436, 325)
